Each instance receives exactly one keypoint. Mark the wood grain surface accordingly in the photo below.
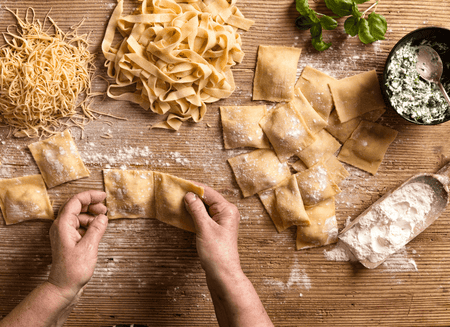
(149, 272)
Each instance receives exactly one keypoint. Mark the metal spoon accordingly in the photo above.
(429, 66)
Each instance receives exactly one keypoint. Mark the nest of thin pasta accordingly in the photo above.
(45, 78)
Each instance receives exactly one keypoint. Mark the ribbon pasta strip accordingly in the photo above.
(177, 54)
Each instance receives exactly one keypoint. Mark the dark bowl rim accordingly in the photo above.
(397, 45)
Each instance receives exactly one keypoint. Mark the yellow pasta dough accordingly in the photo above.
(275, 73)
(169, 200)
(285, 205)
(314, 86)
(323, 147)
(177, 54)
(58, 159)
(313, 120)
(355, 95)
(316, 185)
(258, 170)
(24, 198)
(366, 147)
(342, 131)
(286, 131)
(129, 193)
(240, 127)
(323, 229)
(334, 167)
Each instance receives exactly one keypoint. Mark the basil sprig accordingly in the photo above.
(370, 29)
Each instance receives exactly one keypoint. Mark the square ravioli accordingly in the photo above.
(334, 167)
(366, 147)
(342, 131)
(258, 170)
(275, 74)
(169, 200)
(314, 86)
(24, 198)
(129, 193)
(284, 205)
(58, 159)
(323, 229)
(286, 131)
(355, 95)
(324, 146)
(240, 127)
(316, 185)
(312, 119)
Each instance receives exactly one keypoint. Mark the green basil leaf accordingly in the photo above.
(364, 31)
(351, 26)
(340, 7)
(303, 23)
(316, 30)
(355, 11)
(360, 1)
(319, 44)
(328, 23)
(302, 7)
(377, 25)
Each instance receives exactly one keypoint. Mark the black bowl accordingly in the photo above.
(433, 34)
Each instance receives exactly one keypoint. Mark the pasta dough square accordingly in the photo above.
(275, 74)
(129, 193)
(284, 205)
(258, 170)
(366, 147)
(286, 131)
(342, 131)
(169, 200)
(314, 86)
(336, 170)
(334, 167)
(240, 127)
(312, 119)
(316, 185)
(24, 198)
(324, 146)
(323, 229)
(58, 159)
(355, 95)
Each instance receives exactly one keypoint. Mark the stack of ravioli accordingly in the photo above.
(311, 121)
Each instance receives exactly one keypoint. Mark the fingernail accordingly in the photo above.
(190, 197)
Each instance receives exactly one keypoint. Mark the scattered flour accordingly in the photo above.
(297, 277)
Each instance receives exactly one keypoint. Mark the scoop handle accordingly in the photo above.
(445, 171)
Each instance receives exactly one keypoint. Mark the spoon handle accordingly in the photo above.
(444, 93)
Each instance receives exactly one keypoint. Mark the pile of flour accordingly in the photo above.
(387, 227)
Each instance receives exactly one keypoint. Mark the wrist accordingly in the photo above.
(68, 295)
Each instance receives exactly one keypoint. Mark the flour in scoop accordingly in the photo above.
(389, 225)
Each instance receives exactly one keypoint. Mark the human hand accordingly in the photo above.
(75, 236)
(217, 232)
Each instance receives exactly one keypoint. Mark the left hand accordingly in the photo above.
(75, 236)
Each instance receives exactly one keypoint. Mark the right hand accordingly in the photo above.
(217, 232)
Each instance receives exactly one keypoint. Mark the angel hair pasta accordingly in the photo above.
(42, 75)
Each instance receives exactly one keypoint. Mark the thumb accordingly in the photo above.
(194, 205)
(95, 231)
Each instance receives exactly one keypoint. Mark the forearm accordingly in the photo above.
(235, 301)
(44, 306)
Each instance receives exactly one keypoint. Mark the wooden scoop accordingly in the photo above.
(439, 182)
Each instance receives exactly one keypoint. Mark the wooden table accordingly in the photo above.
(149, 272)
